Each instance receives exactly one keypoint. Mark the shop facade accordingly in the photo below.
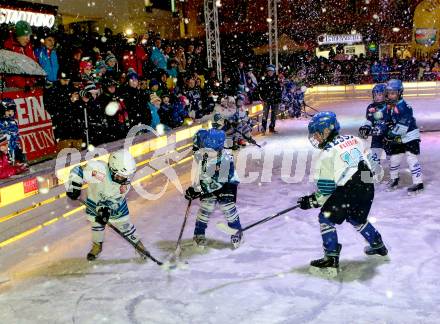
(345, 46)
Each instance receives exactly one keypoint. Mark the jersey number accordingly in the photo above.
(352, 158)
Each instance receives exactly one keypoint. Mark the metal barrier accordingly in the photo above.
(37, 191)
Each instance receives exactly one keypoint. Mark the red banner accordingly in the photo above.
(30, 185)
(34, 123)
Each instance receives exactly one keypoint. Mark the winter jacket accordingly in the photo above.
(155, 119)
(179, 113)
(6, 170)
(194, 96)
(136, 103)
(117, 126)
(158, 58)
(19, 81)
(48, 63)
(141, 58)
(64, 118)
(270, 89)
(166, 114)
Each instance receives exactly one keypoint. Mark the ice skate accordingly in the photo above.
(236, 240)
(416, 189)
(392, 184)
(377, 249)
(200, 241)
(95, 251)
(327, 267)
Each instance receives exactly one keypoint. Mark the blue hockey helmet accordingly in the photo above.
(214, 139)
(379, 89)
(394, 85)
(321, 121)
(198, 139)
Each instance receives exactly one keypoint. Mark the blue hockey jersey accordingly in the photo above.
(402, 122)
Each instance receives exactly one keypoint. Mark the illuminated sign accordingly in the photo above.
(10, 16)
(426, 36)
(339, 39)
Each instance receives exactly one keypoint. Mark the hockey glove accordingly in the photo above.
(308, 202)
(103, 215)
(73, 192)
(191, 194)
(364, 131)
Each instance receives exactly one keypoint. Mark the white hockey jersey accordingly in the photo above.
(102, 190)
(337, 163)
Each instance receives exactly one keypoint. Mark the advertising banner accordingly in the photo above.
(34, 122)
(426, 36)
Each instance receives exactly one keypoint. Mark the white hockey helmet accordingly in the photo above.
(122, 166)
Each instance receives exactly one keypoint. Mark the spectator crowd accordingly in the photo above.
(99, 86)
(338, 70)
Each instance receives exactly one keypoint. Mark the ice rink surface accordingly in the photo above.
(45, 277)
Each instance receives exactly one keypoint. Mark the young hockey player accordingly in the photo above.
(6, 169)
(108, 183)
(234, 120)
(375, 125)
(215, 183)
(293, 99)
(9, 125)
(345, 190)
(244, 123)
(403, 137)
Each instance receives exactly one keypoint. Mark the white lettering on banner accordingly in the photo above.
(42, 139)
(9, 16)
(26, 138)
(37, 109)
(21, 112)
(339, 39)
(33, 112)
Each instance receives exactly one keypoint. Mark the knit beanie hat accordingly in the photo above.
(22, 28)
(153, 82)
(109, 57)
(132, 75)
(100, 65)
(85, 65)
(90, 87)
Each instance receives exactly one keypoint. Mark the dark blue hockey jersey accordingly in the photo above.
(402, 122)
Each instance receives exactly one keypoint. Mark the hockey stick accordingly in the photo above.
(248, 139)
(232, 231)
(178, 249)
(306, 105)
(140, 251)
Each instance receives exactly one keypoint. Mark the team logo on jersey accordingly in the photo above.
(123, 189)
(98, 175)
